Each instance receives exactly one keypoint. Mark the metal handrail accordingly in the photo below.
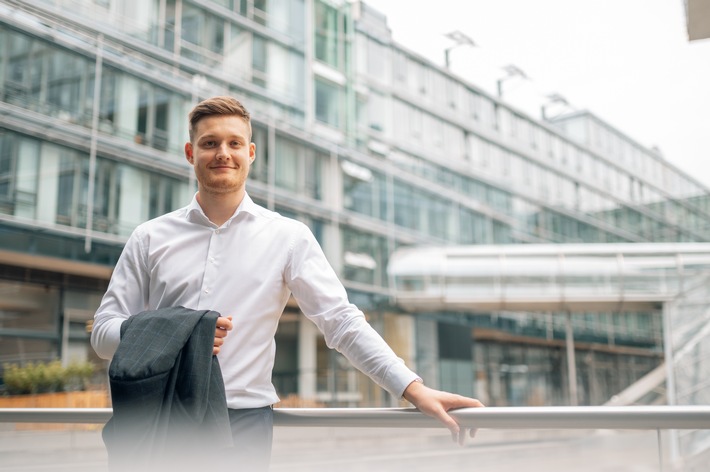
(632, 417)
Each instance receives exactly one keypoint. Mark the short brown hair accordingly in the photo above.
(223, 105)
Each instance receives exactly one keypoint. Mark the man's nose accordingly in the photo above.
(223, 151)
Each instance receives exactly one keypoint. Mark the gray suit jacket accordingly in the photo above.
(169, 404)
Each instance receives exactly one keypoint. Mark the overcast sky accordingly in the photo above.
(627, 61)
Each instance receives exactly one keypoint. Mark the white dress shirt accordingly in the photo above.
(247, 268)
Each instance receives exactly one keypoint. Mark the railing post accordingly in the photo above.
(668, 311)
(571, 360)
(660, 450)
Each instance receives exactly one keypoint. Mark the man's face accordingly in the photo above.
(221, 153)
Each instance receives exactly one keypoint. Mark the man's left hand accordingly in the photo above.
(436, 403)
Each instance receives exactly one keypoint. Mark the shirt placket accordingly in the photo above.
(211, 277)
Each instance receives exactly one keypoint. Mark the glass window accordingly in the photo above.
(406, 206)
(19, 173)
(473, 227)
(72, 188)
(298, 169)
(421, 78)
(328, 103)
(454, 142)
(202, 35)
(167, 40)
(153, 116)
(67, 86)
(260, 167)
(289, 169)
(286, 16)
(7, 172)
(17, 56)
(364, 257)
(107, 195)
(277, 69)
(364, 190)
(378, 61)
(164, 195)
(41, 77)
(473, 104)
(440, 218)
(377, 111)
(327, 31)
(399, 68)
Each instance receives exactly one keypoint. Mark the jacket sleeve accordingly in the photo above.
(127, 295)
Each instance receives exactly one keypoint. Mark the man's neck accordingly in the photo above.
(219, 207)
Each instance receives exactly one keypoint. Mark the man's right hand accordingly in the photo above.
(224, 326)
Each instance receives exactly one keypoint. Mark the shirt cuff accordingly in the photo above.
(398, 379)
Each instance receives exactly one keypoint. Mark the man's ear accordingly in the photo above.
(188, 152)
(252, 152)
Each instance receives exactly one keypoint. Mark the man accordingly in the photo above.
(225, 253)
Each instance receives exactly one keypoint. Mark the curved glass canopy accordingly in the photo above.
(562, 277)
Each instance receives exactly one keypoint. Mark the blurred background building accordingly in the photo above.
(370, 144)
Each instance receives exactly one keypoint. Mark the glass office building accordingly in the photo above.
(370, 144)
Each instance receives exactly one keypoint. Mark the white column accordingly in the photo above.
(128, 95)
(48, 188)
(177, 126)
(307, 358)
(27, 176)
(333, 195)
(133, 206)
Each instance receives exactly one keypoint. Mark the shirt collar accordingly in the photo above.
(195, 213)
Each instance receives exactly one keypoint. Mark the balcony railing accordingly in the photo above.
(667, 423)
(636, 417)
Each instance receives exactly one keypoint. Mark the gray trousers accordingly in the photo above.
(252, 433)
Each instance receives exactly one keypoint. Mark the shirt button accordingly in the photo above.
(216, 231)
(207, 290)
(212, 260)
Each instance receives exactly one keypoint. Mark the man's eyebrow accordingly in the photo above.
(212, 135)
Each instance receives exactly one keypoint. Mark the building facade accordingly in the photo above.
(370, 144)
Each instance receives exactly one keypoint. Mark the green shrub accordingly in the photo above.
(77, 375)
(43, 377)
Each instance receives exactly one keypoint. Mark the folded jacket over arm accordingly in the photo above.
(169, 404)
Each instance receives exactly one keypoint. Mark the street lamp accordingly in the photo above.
(552, 99)
(512, 71)
(460, 39)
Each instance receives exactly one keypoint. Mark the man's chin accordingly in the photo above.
(223, 189)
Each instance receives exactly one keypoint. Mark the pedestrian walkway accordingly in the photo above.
(379, 450)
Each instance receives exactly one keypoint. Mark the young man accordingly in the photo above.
(225, 253)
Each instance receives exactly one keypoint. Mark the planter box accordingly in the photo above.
(86, 399)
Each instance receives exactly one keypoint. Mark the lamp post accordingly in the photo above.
(511, 71)
(552, 99)
(460, 39)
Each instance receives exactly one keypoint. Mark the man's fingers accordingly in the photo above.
(216, 347)
(450, 423)
(464, 402)
(224, 323)
(462, 436)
